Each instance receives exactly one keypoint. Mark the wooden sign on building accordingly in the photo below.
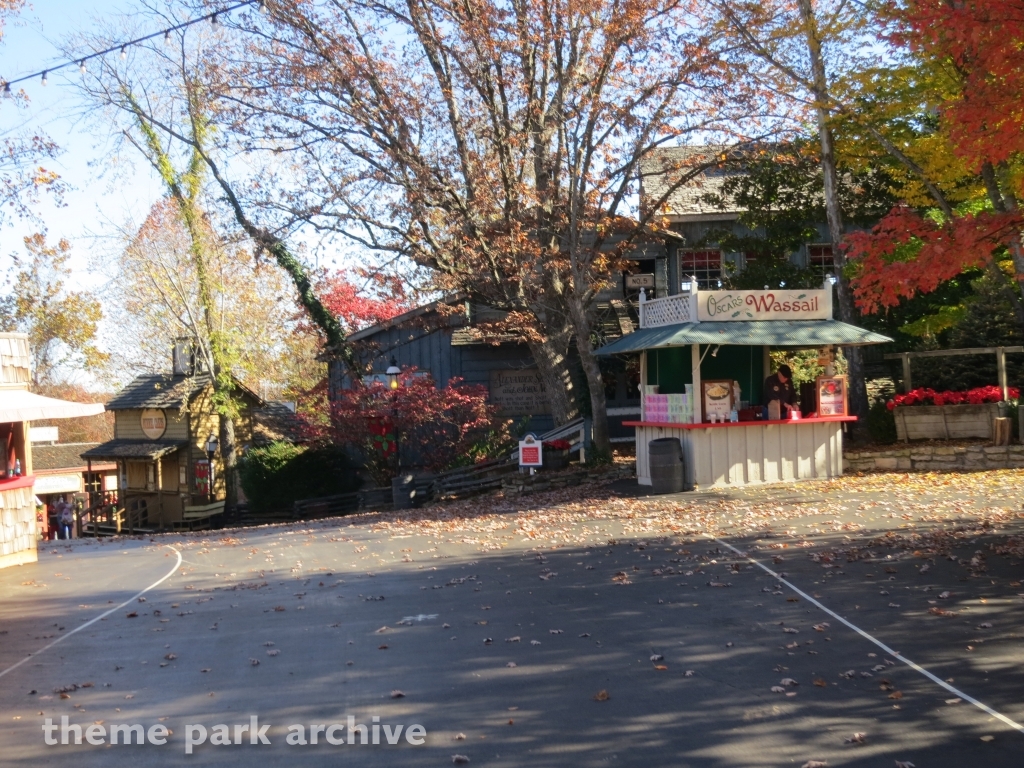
(518, 393)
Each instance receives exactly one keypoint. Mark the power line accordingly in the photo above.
(82, 63)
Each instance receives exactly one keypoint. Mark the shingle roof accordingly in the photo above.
(159, 391)
(276, 421)
(59, 455)
(133, 449)
(164, 390)
(663, 168)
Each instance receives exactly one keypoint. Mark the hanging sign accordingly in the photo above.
(531, 451)
(640, 281)
(746, 306)
(201, 476)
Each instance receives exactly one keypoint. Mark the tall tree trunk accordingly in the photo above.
(551, 357)
(595, 382)
(1005, 204)
(229, 457)
(847, 309)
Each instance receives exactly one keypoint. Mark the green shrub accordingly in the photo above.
(276, 475)
(881, 424)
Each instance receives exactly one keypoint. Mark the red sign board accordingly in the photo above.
(530, 453)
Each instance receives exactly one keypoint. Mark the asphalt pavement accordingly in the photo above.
(610, 630)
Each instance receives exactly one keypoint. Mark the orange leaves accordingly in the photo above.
(981, 39)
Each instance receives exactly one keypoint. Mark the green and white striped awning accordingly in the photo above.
(773, 333)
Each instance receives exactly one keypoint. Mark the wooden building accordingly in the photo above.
(162, 424)
(18, 408)
(60, 471)
(445, 339)
(690, 212)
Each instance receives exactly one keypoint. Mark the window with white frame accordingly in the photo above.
(705, 265)
(819, 259)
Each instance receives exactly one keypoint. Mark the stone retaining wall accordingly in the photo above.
(521, 484)
(926, 458)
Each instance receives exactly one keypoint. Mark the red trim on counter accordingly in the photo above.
(10, 483)
(719, 424)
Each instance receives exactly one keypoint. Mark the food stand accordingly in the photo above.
(704, 356)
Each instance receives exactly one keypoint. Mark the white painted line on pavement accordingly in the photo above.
(101, 616)
(916, 667)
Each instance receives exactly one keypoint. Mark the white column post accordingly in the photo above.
(1001, 368)
(698, 397)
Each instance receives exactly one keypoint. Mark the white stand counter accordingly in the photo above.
(748, 452)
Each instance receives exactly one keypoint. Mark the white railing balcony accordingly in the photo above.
(669, 310)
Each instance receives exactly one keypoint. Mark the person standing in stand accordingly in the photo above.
(66, 518)
(779, 386)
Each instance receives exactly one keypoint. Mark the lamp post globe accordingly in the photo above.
(393, 372)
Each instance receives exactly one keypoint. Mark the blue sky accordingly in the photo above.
(103, 198)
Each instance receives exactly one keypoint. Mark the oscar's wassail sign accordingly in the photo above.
(746, 306)
(518, 393)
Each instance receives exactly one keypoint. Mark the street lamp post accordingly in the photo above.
(393, 372)
(211, 449)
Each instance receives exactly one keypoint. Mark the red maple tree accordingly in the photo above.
(978, 44)
(416, 424)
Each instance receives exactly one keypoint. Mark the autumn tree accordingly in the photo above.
(809, 52)
(967, 56)
(497, 143)
(61, 323)
(22, 177)
(154, 298)
(166, 99)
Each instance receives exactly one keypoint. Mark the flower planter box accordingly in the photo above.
(555, 459)
(944, 422)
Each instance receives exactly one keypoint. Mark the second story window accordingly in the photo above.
(819, 259)
(705, 265)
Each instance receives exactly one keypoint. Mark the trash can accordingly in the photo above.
(665, 458)
(409, 490)
(403, 491)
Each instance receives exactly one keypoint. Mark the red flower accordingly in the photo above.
(976, 396)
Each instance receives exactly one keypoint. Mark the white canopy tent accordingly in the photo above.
(22, 405)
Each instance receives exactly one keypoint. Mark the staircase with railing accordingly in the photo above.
(107, 516)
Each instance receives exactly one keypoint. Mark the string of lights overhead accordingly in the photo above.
(82, 63)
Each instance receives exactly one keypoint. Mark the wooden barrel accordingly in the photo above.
(665, 458)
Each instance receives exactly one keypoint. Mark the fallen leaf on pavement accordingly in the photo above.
(601, 695)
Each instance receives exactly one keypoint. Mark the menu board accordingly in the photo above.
(717, 399)
(832, 396)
